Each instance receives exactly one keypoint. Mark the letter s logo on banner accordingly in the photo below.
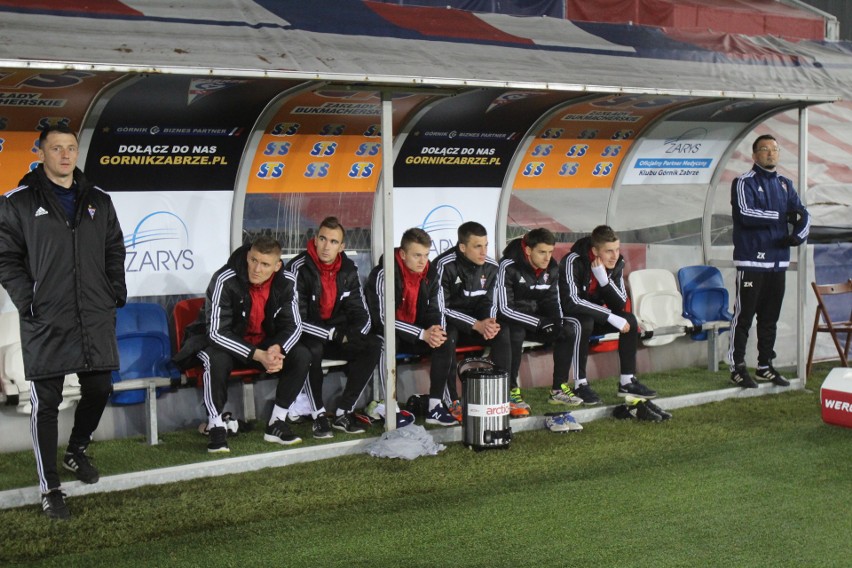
(158, 243)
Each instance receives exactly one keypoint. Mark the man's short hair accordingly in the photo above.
(264, 244)
(539, 236)
(470, 229)
(60, 128)
(756, 144)
(332, 222)
(415, 235)
(603, 234)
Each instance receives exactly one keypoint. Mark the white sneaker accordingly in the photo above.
(562, 422)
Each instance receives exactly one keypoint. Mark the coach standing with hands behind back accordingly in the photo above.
(62, 263)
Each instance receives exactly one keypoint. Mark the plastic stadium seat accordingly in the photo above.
(705, 304)
(12, 377)
(144, 348)
(705, 297)
(657, 305)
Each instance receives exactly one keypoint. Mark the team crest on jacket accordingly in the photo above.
(91, 210)
(482, 281)
(783, 185)
(544, 277)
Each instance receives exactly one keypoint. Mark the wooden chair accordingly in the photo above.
(823, 322)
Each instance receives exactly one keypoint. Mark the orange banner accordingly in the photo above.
(325, 141)
(29, 102)
(582, 145)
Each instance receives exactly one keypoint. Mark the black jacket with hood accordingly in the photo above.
(522, 297)
(66, 278)
(575, 276)
(224, 320)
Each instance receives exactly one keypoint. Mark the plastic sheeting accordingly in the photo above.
(355, 41)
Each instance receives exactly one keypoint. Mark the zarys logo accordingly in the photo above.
(158, 243)
(442, 224)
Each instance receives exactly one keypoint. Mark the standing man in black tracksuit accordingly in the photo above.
(62, 263)
(250, 320)
(528, 299)
(591, 286)
(763, 204)
(335, 324)
(419, 324)
(467, 278)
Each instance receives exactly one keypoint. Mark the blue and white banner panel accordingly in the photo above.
(174, 240)
(680, 153)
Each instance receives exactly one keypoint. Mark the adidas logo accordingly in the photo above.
(40, 211)
(458, 280)
(522, 280)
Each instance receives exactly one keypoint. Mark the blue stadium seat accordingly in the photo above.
(144, 348)
(705, 298)
(705, 303)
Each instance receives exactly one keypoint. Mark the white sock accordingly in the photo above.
(278, 413)
(580, 382)
(215, 422)
(433, 402)
(626, 379)
(340, 412)
(314, 415)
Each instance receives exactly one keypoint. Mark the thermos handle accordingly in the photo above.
(472, 360)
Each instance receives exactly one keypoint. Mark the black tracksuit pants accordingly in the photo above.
(218, 364)
(563, 350)
(45, 396)
(362, 355)
(628, 343)
(761, 294)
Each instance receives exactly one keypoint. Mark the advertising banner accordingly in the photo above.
(174, 240)
(176, 133)
(440, 210)
(29, 102)
(469, 140)
(324, 141)
(582, 145)
(680, 153)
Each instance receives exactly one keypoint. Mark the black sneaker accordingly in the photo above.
(741, 378)
(637, 389)
(664, 414)
(770, 374)
(590, 397)
(53, 505)
(322, 427)
(636, 409)
(622, 412)
(279, 433)
(78, 462)
(348, 423)
(218, 440)
(646, 413)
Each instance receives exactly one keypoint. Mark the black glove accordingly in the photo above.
(792, 241)
(351, 340)
(548, 329)
(794, 216)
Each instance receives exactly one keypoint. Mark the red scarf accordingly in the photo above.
(537, 271)
(259, 295)
(593, 283)
(407, 310)
(328, 280)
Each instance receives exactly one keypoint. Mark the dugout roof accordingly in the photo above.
(378, 43)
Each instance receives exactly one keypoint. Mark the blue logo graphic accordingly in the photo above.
(158, 243)
(442, 224)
